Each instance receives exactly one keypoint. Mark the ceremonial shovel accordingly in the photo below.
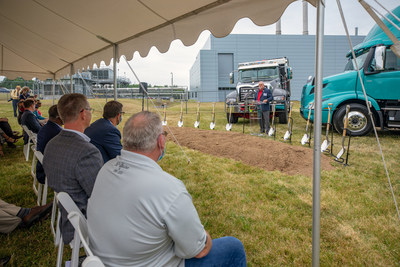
(272, 130)
(288, 132)
(164, 122)
(180, 122)
(346, 122)
(197, 122)
(212, 124)
(306, 136)
(325, 144)
(228, 126)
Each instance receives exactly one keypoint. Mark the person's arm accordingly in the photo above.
(207, 247)
(87, 169)
(34, 124)
(185, 229)
(112, 143)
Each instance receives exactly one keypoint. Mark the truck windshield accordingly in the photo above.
(360, 61)
(259, 74)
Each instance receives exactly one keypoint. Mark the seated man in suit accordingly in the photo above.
(70, 161)
(46, 133)
(29, 119)
(139, 215)
(104, 134)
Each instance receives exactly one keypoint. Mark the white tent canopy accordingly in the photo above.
(44, 38)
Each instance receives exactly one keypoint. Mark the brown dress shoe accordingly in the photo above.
(36, 214)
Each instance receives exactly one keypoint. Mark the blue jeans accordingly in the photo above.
(225, 251)
(15, 106)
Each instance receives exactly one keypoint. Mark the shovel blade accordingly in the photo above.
(228, 126)
(324, 145)
(196, 124)
(180, 123)
(271, 132)
(212, 125)
(341, 152)
(304, 140)
(164, 123)
(286, 136)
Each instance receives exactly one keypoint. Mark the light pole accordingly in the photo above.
(172, 80)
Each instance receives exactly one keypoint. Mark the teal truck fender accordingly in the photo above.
(338, 101)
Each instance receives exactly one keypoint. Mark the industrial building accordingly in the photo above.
(209, 75)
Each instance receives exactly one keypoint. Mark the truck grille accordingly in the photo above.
(247, 93)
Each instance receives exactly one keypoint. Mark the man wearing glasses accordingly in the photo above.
(70, 161)
(104, 134)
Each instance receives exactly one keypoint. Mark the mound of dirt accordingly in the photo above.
(264, 153)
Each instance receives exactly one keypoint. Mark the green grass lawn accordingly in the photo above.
(269, 211)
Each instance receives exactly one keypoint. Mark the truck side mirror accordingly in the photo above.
(231, 77)
(289, 73)
(379, 57)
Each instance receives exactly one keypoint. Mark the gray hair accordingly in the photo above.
(141, 132)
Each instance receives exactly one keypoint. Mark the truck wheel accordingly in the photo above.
(234, 118)
(284, 115)
(359, 122)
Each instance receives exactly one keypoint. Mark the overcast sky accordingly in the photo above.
(156, 68)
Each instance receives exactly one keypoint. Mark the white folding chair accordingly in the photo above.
(80, 224)
(69, 205)
(39, 189)
(26, 146)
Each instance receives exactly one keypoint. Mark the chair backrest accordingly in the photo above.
(39, 155)
(69, 205)
(77, 220)
(92, 261)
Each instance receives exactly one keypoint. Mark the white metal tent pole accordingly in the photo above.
(53, 89)
(70, 78)
(115, 50)
(317, 133)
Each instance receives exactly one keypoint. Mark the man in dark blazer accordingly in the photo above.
(29, 119)
(70, 161)
(46, 133)
(263, 97)
(104, 134)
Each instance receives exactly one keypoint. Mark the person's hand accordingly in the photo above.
(265, 101)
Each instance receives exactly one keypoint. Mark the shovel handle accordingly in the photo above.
(290, 115)
(165, 111)
(346, 120)
(273, 114)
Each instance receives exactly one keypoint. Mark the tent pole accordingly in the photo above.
(70, 78)
(115, 50)
(53, 89)
(317, 133)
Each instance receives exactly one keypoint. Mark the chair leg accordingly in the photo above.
(60, 253)
(39, 195)
(75, 244)
(44, 194)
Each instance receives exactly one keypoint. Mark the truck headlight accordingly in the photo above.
(279, 97)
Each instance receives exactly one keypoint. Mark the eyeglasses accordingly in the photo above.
(122, 113)
(165, 133)
(90, 109)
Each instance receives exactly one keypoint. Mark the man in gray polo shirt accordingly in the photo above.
(139, 215)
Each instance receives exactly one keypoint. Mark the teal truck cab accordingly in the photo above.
(380, 73)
